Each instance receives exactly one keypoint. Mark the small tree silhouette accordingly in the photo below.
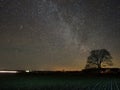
(97, 57)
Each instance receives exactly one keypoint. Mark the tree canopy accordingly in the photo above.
(97, 57)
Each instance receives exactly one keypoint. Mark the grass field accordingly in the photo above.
(58, 82)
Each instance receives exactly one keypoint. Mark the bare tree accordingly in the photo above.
(97, 57)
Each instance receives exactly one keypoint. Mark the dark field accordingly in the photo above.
(58, 82)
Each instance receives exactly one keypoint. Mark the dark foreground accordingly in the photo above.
(59, 81)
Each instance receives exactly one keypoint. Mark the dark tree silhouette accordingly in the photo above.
(97, 57)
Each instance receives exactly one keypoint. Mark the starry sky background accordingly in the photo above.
(57, 34)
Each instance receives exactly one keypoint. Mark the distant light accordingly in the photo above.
(8, 71)
(27, 71)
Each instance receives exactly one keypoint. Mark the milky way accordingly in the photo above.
(57, 34)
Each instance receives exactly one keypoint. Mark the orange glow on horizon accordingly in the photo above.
(65, 69)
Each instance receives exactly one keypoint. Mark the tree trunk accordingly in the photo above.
(99, 66)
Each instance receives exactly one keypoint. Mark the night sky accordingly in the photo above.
(57, 34)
